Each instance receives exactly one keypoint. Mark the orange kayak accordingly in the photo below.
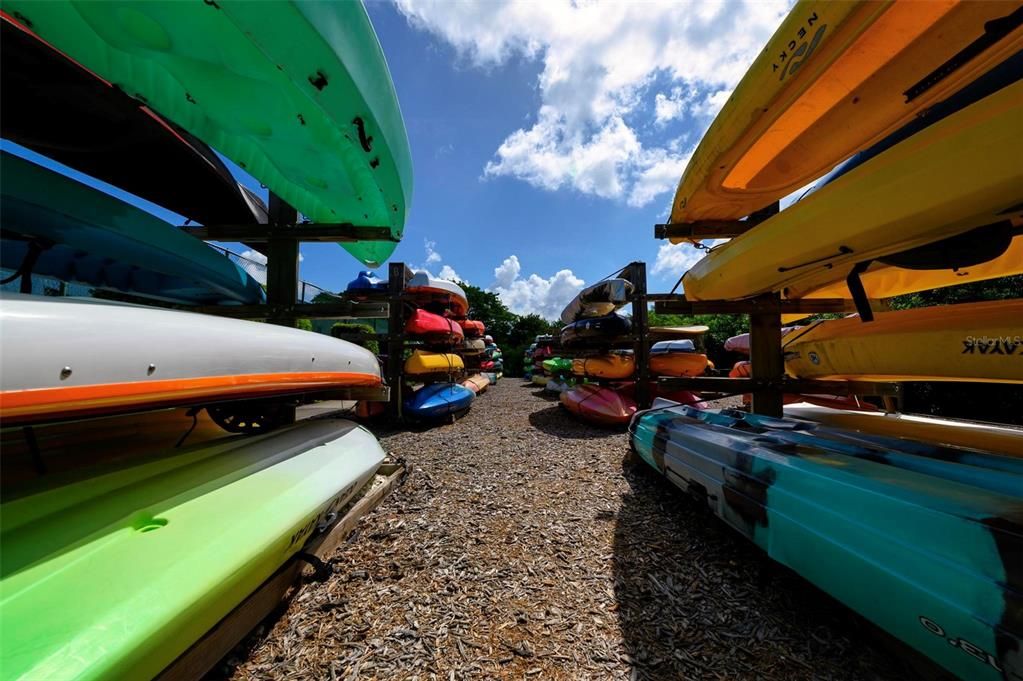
(618, 365)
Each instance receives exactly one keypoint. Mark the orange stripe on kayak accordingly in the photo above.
(104, 396)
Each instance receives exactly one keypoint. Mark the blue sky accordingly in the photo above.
(547, 138)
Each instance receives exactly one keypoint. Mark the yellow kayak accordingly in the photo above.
(969, 342)
(961, 173)
(422, 362)
(613, 366)
(986, 437)
(836, 78)
(884, 281)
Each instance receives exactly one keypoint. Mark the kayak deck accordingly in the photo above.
(184, 538)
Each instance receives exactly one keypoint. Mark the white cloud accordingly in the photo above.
(449, 273)
(534, 294)
(674, 259)
(599, 61)
(432, 255)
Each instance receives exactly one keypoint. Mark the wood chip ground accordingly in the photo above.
(523, 545)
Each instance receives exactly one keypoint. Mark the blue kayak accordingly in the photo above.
(82, 235)
(366, 281)
(437, 400)
(924, 541)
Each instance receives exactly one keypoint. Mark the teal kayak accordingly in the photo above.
(88, 237)
(297, 93)
(114, 574)
(924, 541)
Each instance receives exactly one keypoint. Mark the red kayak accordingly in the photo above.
(433, 327)
(599, 404)
(486, 365)
(472, 328)
(615, 404)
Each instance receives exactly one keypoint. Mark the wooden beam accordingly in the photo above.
(767, 364)
(640, 322)
(397, 279)
(669, 303)
(341, 232)
(792, 386)
(705, 229)
(349, 309)
(198, 660)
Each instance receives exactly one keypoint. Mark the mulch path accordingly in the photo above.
(524, 544)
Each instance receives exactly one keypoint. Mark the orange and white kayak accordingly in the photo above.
(437, 295)
(64, 358)
(616, 365)
(836, 78)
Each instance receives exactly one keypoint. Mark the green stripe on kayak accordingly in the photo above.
(297, 93)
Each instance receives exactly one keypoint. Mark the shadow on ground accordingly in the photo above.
(696, 600)
(557, 422)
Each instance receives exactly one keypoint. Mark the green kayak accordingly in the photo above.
(297, 93)
(557, 366)
(115, 574)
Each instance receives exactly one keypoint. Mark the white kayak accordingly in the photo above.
(426, 290)
(72, 357)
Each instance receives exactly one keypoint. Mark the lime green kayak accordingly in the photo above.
(297, 93)
(115, 575)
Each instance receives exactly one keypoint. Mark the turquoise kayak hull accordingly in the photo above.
(926, 542)
(98, 240)
(297, 93)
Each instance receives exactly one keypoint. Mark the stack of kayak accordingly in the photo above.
(558, 372)
(544, 347)
(606, 390)
(153, 475)
(907, 116)
(435, 368)
(494, 359)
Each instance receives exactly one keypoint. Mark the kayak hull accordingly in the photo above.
(60, 361)
(55, 107)
(184, 536)
(967, 342)
(910, 195)
(834, 79)
(438, 400)
(477, 383)
(320, 126)
(424, 363)
(434, 328)
(984, 437)
(100, 241)
(472, 328)
(617, 366)
(598, 300)
(937, 537)
(595, 331)
(599, 404)
(440, 295)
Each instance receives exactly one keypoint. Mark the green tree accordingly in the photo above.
(486, 307)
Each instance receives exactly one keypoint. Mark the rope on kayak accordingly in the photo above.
(194, 413)
(321, 570)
